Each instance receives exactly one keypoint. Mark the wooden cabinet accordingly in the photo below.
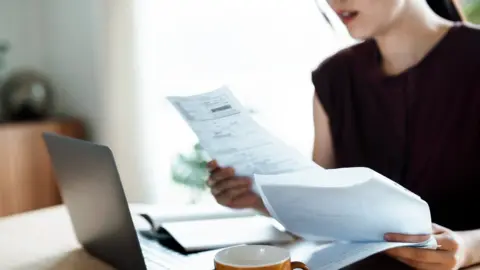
(27, 181)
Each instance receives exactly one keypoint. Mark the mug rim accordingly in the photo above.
(286, 256)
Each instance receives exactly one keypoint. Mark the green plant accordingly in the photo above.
(191, 169)
(471, 10)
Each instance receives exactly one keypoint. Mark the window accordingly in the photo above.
(263, 50)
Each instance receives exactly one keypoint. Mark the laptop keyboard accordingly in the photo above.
(159, 257)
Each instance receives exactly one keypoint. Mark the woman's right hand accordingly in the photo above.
(232, 191)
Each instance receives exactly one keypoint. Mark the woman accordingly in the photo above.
(405, 103)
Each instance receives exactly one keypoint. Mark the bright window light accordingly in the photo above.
(263, 50)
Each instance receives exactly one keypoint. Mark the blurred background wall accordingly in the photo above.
(85, 48)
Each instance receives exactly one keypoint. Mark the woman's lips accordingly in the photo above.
(347, 16)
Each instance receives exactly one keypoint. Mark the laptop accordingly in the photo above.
(91, 189)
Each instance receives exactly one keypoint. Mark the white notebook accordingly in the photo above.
(199, 235)
(205, 227)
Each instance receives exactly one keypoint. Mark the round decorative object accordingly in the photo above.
(3, 51)
(26, 95)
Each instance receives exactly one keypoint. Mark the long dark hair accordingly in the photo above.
(446, 9)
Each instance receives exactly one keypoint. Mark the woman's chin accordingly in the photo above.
(359, 35)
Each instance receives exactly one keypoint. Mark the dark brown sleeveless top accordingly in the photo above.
(420, 128)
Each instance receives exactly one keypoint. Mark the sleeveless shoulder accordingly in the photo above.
(461, 54)
(468, 41)
(338, 69)
(343, 58)
(471, 31)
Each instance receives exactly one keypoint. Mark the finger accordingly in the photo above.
(396, 237)
(232, 183)
(420, 265)
(244, 200)
(420, 254)
(212, 165)
(222, 174)
(210, 181)
(227, 197)
(446, 241)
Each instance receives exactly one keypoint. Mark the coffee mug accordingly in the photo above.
(255, 257)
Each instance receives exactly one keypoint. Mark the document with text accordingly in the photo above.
(351, 208)
(230, 135)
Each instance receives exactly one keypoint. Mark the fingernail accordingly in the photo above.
(387, 237)
(210, 182)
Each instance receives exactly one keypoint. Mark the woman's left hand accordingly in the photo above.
(450, 254)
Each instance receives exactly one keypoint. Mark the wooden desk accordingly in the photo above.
(44, 240)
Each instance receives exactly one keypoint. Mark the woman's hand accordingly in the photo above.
(232, 191)
(451, 252)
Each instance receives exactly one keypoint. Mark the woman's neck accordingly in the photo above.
(410, 39)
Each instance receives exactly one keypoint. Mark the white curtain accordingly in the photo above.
(122, 129)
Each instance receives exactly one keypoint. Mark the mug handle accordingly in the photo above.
(298, 265)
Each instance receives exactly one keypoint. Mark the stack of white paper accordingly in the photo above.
(354, 204)
(352, 207)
